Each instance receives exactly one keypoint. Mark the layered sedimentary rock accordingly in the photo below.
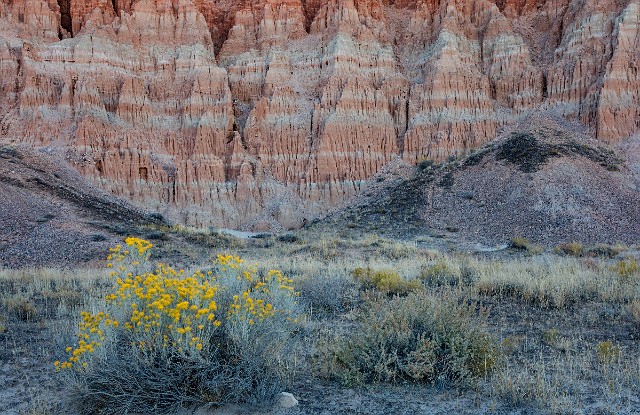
(618, 109)
(263, 113)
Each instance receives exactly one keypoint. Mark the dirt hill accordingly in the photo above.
(542, 182)
(51, 216)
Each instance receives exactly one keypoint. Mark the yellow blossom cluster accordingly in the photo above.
(90, 337)
(116, 254)
(138, 244)
(250, 308)
(253, 304)
(164, 308)
(136, 251)
(228, 262)
(283, 282)
(164, 303)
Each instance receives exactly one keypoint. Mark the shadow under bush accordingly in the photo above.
(417, 338)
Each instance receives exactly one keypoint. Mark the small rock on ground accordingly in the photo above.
(286, 400)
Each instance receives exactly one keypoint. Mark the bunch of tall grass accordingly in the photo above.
(565, 383)
(387, 281)
(554, 282)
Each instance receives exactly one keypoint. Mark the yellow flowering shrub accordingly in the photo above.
(212, 320)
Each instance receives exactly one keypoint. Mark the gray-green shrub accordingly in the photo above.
(419, 338)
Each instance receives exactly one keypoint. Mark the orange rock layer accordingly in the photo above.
(261, 113)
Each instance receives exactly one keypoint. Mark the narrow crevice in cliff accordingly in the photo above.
(406, 114)
(564, 13)
(65, 17)
(493, 93)
(114, 3)
(501, 5)
(310, 8)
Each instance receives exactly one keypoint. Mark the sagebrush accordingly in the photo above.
(162, 339)
(419, 338)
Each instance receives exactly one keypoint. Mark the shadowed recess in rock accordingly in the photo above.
(65, 16)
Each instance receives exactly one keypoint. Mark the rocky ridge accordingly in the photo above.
(262, 113)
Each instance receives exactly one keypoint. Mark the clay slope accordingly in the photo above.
(51, 217)
(262, 113)
(539, 181)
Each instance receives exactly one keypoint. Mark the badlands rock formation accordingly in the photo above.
(262, 113)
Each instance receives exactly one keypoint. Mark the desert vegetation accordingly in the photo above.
(522, 330)
(163, 338)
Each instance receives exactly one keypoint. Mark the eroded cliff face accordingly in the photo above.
(263, 113)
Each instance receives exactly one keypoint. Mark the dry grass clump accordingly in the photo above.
(162, 338)
(626, 268)
(571, 248)
(450, 271)
(553, 282)
(577, 249)
(523, 244)
(535, 384)
(511, 344)
(443, 272)
(605, 250)
(565, 383)
(21, 307)
(47, 292)
(328, 293)
(34, 282)
(550, 336)
(418, 337)
(392, 250)
(607, 352)
(554, 339)
(387, 281)
(63, 295)
(519, 243)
